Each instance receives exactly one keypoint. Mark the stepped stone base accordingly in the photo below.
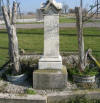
(50, 79)
(50, 63)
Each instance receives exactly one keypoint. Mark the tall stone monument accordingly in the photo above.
(51, 58)
(51, 73)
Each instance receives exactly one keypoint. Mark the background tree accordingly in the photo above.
(97, 7)
(85, 12)
(91, 8)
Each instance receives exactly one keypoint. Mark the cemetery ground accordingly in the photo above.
(31, 40)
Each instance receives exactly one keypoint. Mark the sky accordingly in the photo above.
(32, 5)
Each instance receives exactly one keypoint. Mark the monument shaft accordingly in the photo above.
(51, 58)
(51, 36)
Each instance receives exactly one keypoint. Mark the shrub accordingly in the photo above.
(87, 72)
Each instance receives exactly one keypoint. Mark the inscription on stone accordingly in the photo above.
(51, 36)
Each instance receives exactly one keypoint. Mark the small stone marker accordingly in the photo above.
(51, 58)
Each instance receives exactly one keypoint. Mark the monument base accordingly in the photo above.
(50, 63)
(50, 79)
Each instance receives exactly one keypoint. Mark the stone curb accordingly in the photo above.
(17, 98)
(64, 97)
(61, 97)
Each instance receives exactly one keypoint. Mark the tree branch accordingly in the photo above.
(14, 13)
(6, 17)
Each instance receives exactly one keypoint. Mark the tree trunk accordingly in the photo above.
(79, 24)
(14, 49)
(13, 41)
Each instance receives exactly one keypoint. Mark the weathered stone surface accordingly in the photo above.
(49, 80)
(51, 7)
(58, 97)
(69, 96)
(11, 98)
(51, 58)
(51, 36)
(50, 63)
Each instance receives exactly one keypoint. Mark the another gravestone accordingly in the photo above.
(51, 58)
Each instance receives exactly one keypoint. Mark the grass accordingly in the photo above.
(83, 99)
(29, 22)
(87, 72)
(32, 41)
(73, 20)
(30, 92)
(67, 20)
(61, 20)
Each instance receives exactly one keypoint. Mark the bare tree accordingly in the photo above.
(85, 12)
(80, 38)
(79, 23)
(13, 41)
(9, 9)
(91, 8)
(97, 7)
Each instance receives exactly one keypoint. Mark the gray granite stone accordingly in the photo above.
(51, 36)
(49, 79)
(50, 63)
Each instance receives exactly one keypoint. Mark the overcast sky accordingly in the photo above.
(32, 5)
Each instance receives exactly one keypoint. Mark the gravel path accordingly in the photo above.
(62, 25)
(7, 87)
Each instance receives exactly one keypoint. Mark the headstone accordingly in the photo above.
(51, 58)
(51, 73)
